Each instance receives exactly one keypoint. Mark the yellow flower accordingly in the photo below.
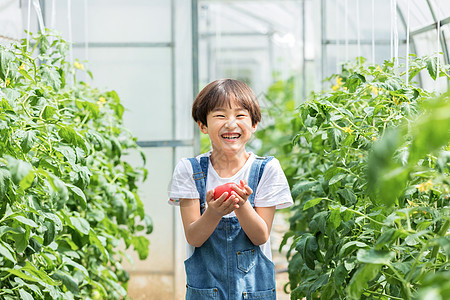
(21, 67)
(78, 65)
(101, 102)
(374, 138)
(8, 81)
(396, 101)
(338, 83)
(374, 89)
(411, 203)
(424, 187)
(379, 69)
(348, 130)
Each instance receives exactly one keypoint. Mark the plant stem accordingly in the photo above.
(381, 294)
(441, 233)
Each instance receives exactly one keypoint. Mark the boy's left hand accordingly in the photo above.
(242, 192)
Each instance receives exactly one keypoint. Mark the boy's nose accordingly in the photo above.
(231, 123)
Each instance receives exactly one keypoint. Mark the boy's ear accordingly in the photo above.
(254, 127)
(203, 128)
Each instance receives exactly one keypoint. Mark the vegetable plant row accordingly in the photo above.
(69, 205)
(368, 162)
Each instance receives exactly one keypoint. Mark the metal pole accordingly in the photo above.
(174, 136)
(443, 42)
(323, 33)
(303, 52)
(195, 77)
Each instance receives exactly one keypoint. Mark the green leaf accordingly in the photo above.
(51, 77)
(5, 181)
(79, 195)
(301, 187)
(22, 275)
(335, 218)
(25, 221)
(349, 247)
(21, 239)
(372, 256)
(348, 195)
(307, 246)
(19, 169)
(431, 131)
(70, 262)
(38, 273)
(141, 244)
(360, 280)
(72, 137)
(6, 253)
(24, 295)
(5, 58)
(312, 202)
(96, 241)
(386, 237)
(340, 274)
(26, 75)
(48, 112)
(337, 178)
(50, 232)
(70, 283)
(81, 225)
(432, 67)
(68, 153)
(28, 141)
(27, 181)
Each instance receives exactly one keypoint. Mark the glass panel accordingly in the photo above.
(442, 8)
(252, 41)
(10, 22)
(419, 13)
(153, 194)
(113, 20)
(142, 78)
(336, 19)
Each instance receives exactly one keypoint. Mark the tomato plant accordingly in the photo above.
(369, 173)
(68, 197)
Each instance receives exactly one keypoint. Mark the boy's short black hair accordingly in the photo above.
(220, 93)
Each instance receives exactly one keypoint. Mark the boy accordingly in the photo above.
(229, 255)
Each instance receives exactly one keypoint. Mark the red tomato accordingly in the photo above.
(227, 187)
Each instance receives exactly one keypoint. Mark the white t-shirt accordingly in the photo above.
(273, 188)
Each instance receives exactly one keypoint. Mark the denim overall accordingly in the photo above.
(228, 266)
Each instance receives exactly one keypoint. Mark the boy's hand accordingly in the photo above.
(220, 206)
(241, 192)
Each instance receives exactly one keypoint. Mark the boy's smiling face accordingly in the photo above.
(229, 128)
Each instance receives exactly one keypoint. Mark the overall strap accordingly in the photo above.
(200, 172)
(255, 175)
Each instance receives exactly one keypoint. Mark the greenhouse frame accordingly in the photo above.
(157, 55)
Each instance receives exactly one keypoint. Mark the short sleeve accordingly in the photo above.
(273, 189)
(182, 185)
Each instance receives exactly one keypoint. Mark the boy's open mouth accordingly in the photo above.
(231, 136)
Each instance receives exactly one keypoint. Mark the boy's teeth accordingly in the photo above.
(231, 136)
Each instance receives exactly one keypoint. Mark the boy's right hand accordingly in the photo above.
(220, 206)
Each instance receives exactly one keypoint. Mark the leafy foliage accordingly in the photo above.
(68, 198)
(371, 160)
